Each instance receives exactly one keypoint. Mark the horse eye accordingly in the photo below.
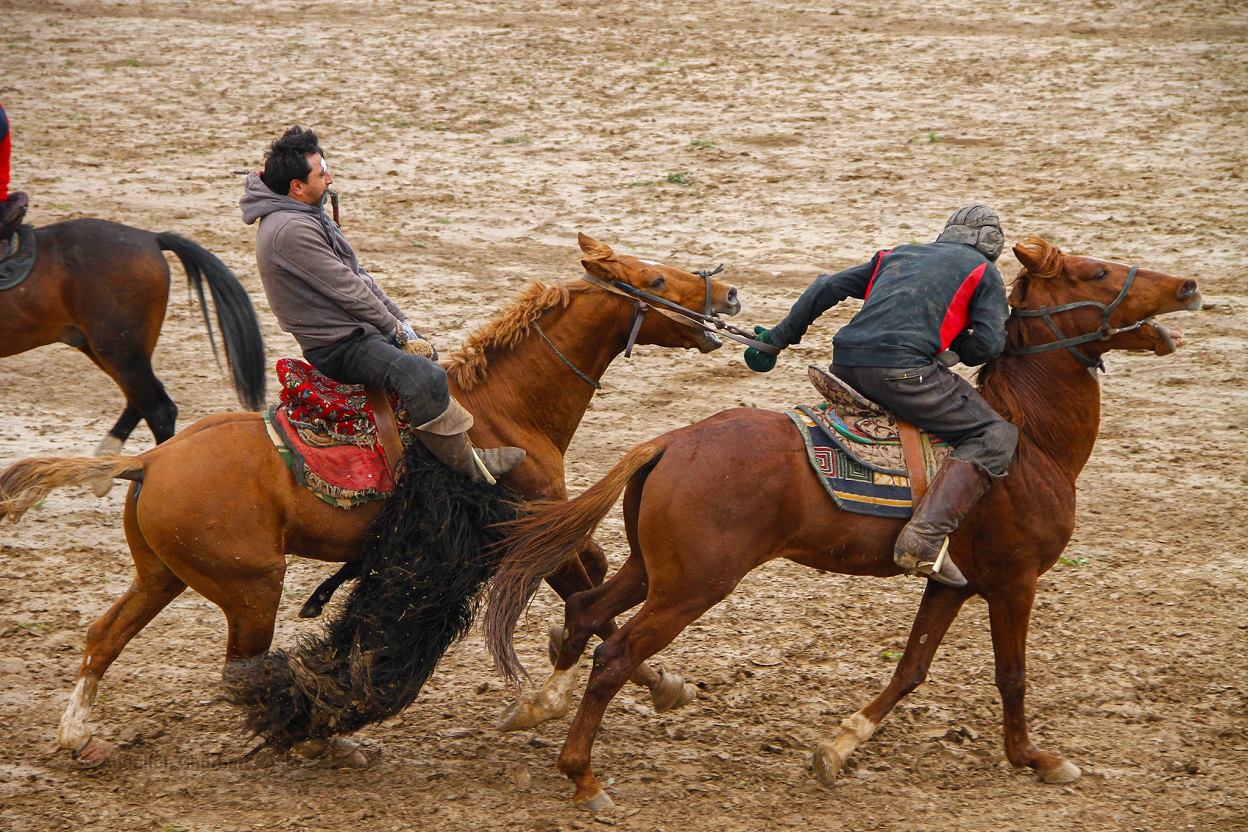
(658, 283)
(1100, 274)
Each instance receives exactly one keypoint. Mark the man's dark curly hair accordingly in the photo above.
(286, 159)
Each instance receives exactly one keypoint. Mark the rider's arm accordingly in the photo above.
(301, 250)
(826, 291)
(382, 296)
(988, 311)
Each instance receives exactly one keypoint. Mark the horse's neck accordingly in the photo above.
(1058, 404)
(530, 386)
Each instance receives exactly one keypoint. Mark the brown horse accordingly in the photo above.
(687, 554)
(102, 287)
(218, 510)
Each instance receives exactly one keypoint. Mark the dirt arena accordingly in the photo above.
(470, 142)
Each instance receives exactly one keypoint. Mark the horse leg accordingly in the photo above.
(584, 612)
(315, 605)
(131, 368)
(654, 627)
(153, 588)
(116, 438)
(937, 610)
(1010, 614)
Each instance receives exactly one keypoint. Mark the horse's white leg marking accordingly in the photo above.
(74, 733)
(552, 701)
(830, 756)
(109, 445)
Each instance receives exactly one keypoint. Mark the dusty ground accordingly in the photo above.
(470, 141)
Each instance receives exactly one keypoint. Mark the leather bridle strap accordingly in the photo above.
(387, 427)
(708, 323)
(1104, 333)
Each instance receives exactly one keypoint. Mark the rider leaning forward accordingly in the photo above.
(347, 327)
(926, 307)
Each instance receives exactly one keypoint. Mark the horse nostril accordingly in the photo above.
(1187, 289)
(732, 294)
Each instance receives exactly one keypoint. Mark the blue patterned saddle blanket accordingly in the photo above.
(854, 445)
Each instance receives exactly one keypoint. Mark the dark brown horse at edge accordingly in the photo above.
(218, 510)
(688, 554)
(102, 288)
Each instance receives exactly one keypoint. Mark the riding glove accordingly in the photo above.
(756, 359)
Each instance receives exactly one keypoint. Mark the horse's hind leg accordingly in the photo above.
(585, 614)
(1009, 615)
(116, 438)
(938, 609)
(654, 626)
(153, 588)
(130, 366)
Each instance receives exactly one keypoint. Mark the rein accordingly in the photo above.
(707, 321)
(1104, 333)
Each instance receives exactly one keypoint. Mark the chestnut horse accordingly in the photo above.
(102, 288)
(217, 509)
(688, 554)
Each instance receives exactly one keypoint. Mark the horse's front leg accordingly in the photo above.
(938, 609)
(1010, 613)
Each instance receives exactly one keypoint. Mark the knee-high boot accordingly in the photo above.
(446, 437)
(923, 546)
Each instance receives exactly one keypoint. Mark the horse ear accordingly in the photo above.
(593, 249)
(1036, 255)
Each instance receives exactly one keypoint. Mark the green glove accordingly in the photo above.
(756, 359)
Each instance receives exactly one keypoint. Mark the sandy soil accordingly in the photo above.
(470, 141)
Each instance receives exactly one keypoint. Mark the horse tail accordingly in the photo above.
(240, 330)
(543, 538)
(27, 482)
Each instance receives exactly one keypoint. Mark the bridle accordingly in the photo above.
(644, 302)
(1103, 333)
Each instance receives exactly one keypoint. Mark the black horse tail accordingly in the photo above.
(240, 330)
(427, 557)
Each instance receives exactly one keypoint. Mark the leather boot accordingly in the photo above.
(446, 437)
(12, 210)
(923, 546)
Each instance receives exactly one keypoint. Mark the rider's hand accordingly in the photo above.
(756, 359)
(408, 331)
(400, 337)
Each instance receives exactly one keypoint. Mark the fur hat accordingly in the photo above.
(977, 226)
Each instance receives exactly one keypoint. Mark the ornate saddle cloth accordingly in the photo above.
(855, 447)
(15, 268)
(326, 435)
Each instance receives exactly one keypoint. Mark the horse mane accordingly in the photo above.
(466, 367)
(1003, 393)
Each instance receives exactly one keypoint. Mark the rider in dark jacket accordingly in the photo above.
(926, 307)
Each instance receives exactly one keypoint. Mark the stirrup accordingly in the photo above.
(932, 569)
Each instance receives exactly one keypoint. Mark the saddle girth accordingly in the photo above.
(387, 427)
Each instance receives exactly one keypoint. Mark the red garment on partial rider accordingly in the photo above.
(5, 145)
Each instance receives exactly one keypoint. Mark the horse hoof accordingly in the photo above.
(1067, 772)
(599, 804)
(94, 754)
(555, 643)
(523, 714)
(343, 753)
(671, 692)
(312, 609)
(827, 763)
(100, 488)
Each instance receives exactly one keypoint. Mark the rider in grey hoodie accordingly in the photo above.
(345, 324)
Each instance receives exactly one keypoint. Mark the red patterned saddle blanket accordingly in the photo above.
(325, 433)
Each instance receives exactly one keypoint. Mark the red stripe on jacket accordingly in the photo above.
(956, 317)
(871, 282)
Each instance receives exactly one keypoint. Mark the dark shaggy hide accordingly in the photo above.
(426, 560)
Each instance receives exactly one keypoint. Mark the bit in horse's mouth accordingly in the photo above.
(1168, 340)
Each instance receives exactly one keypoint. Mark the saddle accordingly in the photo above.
(869, 461)
(19, 259)
(328, 436)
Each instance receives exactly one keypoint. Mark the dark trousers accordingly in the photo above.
(368, 358)
(936, 399)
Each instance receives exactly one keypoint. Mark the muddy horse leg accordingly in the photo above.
(153, 588)
(937, 610)
(586, 612)
(654, 627)
(1009, 614)
(315, 605)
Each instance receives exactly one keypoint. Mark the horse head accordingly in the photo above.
(1092, 306)
(646, 280)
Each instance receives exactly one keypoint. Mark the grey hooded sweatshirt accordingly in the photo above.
(314, 283)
